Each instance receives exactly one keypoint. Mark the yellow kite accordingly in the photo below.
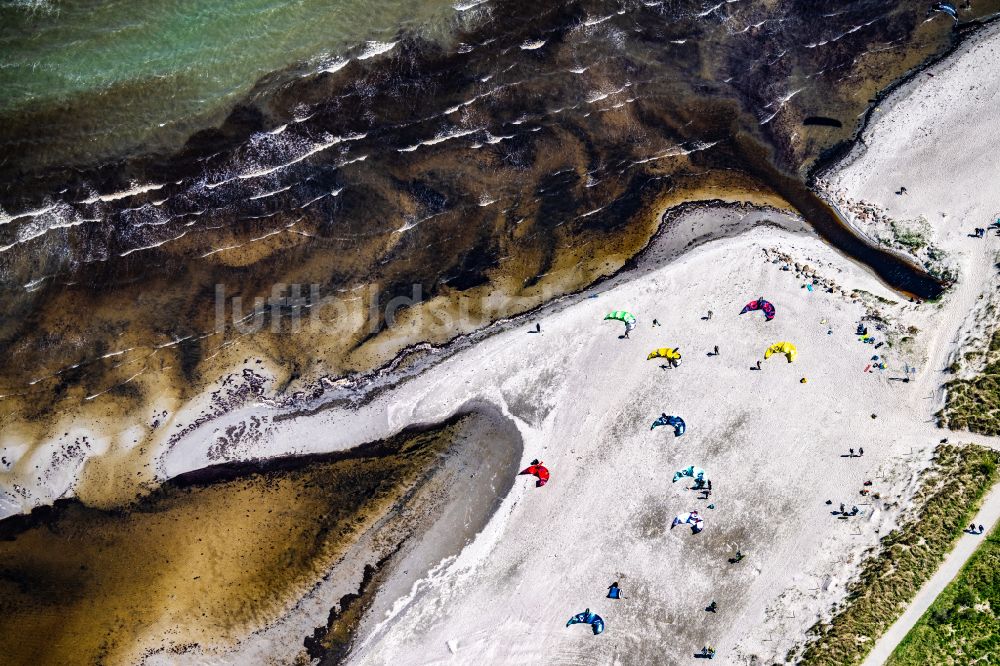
(786, 348)
(669, 353)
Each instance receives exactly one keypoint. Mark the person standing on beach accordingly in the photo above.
(656, 323)
(861, 451)
(852, 452)
(538, 328)
(716, 351)
(758, 364)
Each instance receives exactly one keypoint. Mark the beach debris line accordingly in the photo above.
(539, 470)
(760, 304)
(586, 617)
(676, 422)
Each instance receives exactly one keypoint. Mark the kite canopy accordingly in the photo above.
(676, 422)
(669, 353)
(541, 471)
(692, 519)
(626, 317)
(786, 348)
(945, 7)
(760, 304)
(696, 473)
(586, 617)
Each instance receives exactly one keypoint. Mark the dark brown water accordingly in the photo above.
(222, 552)
(526, 155)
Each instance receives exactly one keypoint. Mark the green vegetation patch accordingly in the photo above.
(949, 495)
(974, 404)
(911, 234)
(962, 626)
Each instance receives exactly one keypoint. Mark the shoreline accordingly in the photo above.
(669, 243)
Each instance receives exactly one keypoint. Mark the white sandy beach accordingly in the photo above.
(583, 400)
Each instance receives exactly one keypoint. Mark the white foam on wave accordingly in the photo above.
(533, 45)
(440, 138)
(5, 218)
(315, 148)
(337, 66)
(252, 240)
(373, 49)
(360, 158)
(597, 21)
(677, 151)
(150, 247)
(36, 283)
(270, 194)
(579, 70)
(780, 105)
(597, 96)
(58, 216)
(91, 397)
(466, 6)
(131, 192)
(709, 10)
(332, 193)
(841, 35)
(411, 223)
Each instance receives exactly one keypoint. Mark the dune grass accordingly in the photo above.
(949, 495)
(974, 404)
(962, 626)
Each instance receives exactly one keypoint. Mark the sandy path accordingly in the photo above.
(987, 516)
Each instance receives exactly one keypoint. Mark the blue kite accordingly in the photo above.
(944, 7)
(586, 617)
(676, 422)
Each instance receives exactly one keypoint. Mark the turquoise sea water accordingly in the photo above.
(82, 79)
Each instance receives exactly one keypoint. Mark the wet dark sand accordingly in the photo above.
(221, 552)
